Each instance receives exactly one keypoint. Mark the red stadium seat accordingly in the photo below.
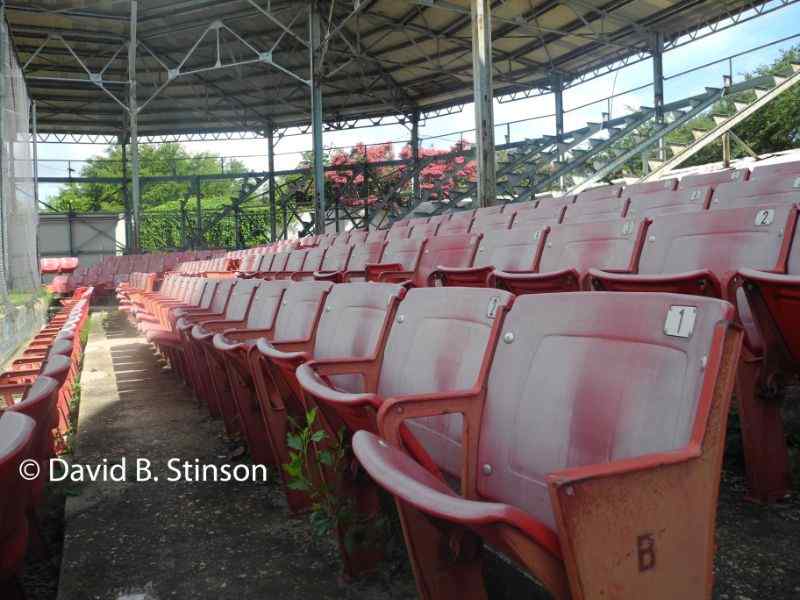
(280, 312)
(16, 437)
(360, 257)
(776, 170)
(599, 193)
(447, 251)
(399, 255)
(660, 203)
(313, 262)
(353, 327)
(423, 230)
(757, 191)
(589, 453)
(713, 179)
(651, 187)
(571, 250)
(490, 222)
(548, 214)
(606, 209)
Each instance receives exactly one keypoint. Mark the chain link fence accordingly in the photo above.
(19, 263)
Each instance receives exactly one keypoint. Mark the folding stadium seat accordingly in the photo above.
(699, 253)
(442, 252)
(571, 250)
(606, 209)
(599, 193)
(281, 312)
(776, 170)
(515, 250)
(312, 263)
(294, 264)
(713, 178)
(439, 219)
(440, 342)
(249, 265)
(399, 255)
(422, 231)
(589, 453)
(361, 256)
(488, 211)
(660, 203)
(484, 223)
(278, 265)
(16, 436)
(335, 261)
(757, 191)
(651, 187)
(353, 327)
(340, 239)
(195, 340)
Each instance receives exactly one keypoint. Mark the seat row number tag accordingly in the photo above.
(680, 321)
(491, 310)
(765, 216)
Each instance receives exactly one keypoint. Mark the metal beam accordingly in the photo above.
(658, 86)
(558, 93)
(316, 114)
(133, 110)
(271, 168)
(415, 157)
(483, 93)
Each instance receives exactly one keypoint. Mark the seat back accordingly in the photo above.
(590, 378)
(661, 203)
(295, 261)
(605, 209)
(713, 178)
(454, 251)
(314, 258)
(39, 404)
(222, 295)
(757, 191)
(441, 342)
(651, 187)
(454, 227)
(399, 233)
(209, 287)
(16, 436)
(354, 324)
(249, 263)
(607, 245)
(721, 241)
(490, 222)
(776, 170)
(265, 305)
(279, 261)
(515, 250)
(195, 292)
(488, 211)
(546, 214)
(405, 252)
(364, 254)
(357, 236)
(424, 230)
(377, 235)
(300, 309)
(239, 302)
(341, 239)
(336, 259)
(599, 193)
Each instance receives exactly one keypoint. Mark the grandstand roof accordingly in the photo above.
(233, 65)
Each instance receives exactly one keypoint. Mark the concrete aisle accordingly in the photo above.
(148, 540)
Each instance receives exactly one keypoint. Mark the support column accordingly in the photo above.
(198, 232)
(558, 92)
(658, 87)
(35, 132)
(316, 117)
(415, 157)
(482, 86)
(134, 129)
(273, 229)
(126, 200)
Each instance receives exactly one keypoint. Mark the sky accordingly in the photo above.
(531, 117)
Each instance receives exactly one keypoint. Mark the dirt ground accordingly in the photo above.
(153, 541)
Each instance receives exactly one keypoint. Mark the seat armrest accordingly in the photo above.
(220, 325)
(565, 280)
(241, 335)
(333, 276)
(312, 383)
(450, 277)
(372, 271)
(287, 350)
(401, 277)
